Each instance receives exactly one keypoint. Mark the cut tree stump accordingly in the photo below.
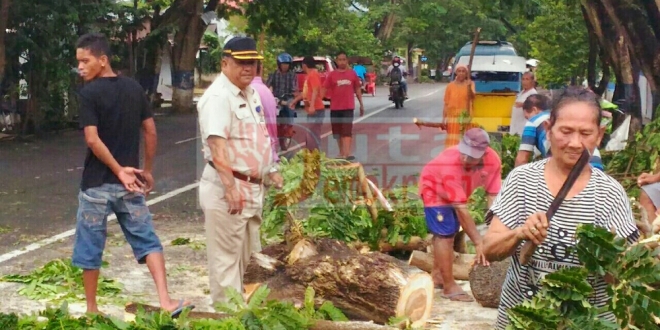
(462, 263)
(366, 286)
(486, 282)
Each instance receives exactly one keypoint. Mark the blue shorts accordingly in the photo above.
(91, 226)
(442, 220)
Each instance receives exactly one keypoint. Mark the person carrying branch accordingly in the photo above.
(446, 183)
(458, 98)
(518, 213)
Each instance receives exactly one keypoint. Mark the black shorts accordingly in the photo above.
(342, 122)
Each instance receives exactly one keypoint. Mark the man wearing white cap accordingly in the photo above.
(446, 184)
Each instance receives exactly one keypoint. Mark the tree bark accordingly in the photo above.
(4, 19)
(365, 286)
(653, 13)
(605, 79)
(387, 25)
(461, 267)
(593, 58)
(186, 45)
(486, 282)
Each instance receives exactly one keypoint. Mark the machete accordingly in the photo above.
(529, 248)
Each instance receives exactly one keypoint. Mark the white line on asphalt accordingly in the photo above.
(359, 119)
(69, 233)
(328, 134)
(187, 140)
(53, 239)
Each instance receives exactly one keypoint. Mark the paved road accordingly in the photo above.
(40, 179)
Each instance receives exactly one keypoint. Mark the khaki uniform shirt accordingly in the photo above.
(237, 116)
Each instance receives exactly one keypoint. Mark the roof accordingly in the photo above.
(501, 63)
(317, 58)
(488, 48)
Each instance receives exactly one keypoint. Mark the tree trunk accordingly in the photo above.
(486, 282)
(593, 58)
(186, 45)
(605, 79)
(461, 268)
(4, 19)
(370, 286)
(387, 25)
(653, 13)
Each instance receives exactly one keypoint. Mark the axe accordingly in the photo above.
(528, 249)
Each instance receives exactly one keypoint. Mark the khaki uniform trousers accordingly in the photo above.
(230, 238)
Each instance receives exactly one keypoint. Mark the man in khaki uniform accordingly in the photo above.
(238, 151)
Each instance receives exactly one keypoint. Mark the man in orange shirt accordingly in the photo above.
(313, 101)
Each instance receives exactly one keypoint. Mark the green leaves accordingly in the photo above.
(562, 301)
(558, 38)
(58, 280)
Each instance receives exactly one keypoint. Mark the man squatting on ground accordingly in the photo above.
(237, 147)
(446, 183)
(113, 109)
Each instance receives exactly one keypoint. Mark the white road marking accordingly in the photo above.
(359, 119)
(187, 140)
(328, 133)
(53, 239)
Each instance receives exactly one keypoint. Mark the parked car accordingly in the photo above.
(323, 64)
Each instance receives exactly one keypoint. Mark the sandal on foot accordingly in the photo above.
(180, 308)
(458, 296)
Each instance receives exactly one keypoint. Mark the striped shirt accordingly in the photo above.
(603, 202)
(534, 136)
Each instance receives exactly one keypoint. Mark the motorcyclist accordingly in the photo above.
(283, 81)
(396, 64)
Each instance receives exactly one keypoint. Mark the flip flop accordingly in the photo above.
(180, 308)
(455, 297)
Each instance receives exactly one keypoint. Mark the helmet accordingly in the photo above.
(396, 60)
(284, 58)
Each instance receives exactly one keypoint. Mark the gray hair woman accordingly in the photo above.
(518, 212)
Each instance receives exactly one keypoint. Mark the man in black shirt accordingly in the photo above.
(113, 109)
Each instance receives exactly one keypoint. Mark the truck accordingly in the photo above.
(497, 80)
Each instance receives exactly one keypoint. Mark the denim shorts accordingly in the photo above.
(92, 218)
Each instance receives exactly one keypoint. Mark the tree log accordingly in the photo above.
(486, 282)
(351, 325)
(365, 286)
(462, 263)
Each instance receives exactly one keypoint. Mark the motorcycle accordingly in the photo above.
(396, 90)
(285, 115)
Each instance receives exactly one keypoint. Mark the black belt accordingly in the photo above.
(241, 176)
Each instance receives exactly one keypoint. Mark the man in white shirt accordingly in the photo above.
(517, 115)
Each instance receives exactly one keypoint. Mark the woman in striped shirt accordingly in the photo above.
(518, 212)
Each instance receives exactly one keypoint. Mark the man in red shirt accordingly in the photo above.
(446, 183)
(313, 101)
(342, 84)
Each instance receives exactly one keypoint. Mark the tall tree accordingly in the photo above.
(4, 20)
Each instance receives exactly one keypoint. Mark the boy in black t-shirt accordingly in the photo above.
(113, 110)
